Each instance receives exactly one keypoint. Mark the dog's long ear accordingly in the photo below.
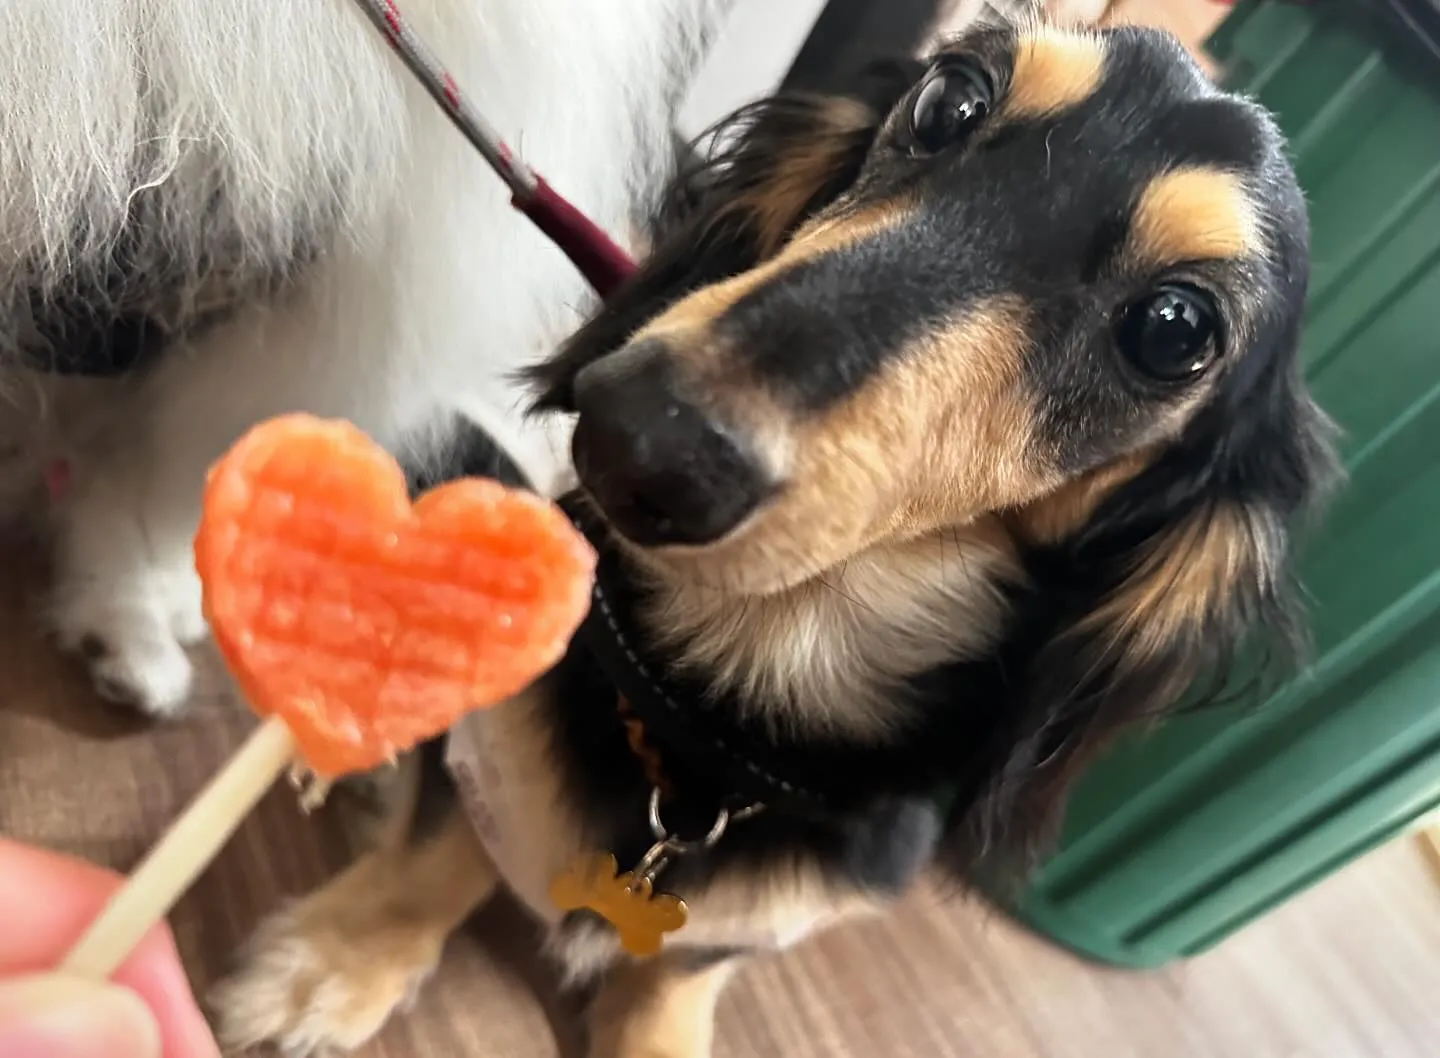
(1149, 600)
(771, 165)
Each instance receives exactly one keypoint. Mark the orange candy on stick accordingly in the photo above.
(357, 623)
(368, 624)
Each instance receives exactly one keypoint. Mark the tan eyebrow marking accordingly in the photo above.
(1054, 70)
(1193, 214)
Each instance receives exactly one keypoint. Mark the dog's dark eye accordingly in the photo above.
(949, 105)
(1170, 335)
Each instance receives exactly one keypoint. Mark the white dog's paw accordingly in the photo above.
(321, 981)
(133, 654)
(183, 602)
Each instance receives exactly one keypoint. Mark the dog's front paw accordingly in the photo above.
(183, 606)
(131, 650)
(318, 982)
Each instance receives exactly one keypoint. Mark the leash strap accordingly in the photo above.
(603, 263)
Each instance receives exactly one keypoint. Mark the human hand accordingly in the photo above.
(148, 1011)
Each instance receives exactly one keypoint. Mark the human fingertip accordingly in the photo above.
(53, 1016)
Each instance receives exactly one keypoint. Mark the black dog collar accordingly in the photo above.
(695, 730)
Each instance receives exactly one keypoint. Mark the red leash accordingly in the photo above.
(600, 260)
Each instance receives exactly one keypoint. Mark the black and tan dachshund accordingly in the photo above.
(953, 426)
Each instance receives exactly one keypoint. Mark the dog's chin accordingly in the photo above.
(751, 561)
(714, 570)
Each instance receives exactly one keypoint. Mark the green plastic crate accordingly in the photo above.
(1175, 842)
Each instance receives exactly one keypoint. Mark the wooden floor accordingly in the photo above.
(1349, 970)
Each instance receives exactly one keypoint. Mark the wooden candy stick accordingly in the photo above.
(187, 848)
(355, 623)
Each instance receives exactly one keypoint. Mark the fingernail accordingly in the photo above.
(60, 1017)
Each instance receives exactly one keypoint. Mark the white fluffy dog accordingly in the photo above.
(259, 197)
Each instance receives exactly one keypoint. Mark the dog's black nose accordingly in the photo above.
(662, 470)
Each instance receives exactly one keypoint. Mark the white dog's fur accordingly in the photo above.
(275, 160)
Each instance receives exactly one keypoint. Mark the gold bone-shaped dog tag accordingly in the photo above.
(641, 917)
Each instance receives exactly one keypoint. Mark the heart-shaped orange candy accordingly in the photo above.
(368, 624)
